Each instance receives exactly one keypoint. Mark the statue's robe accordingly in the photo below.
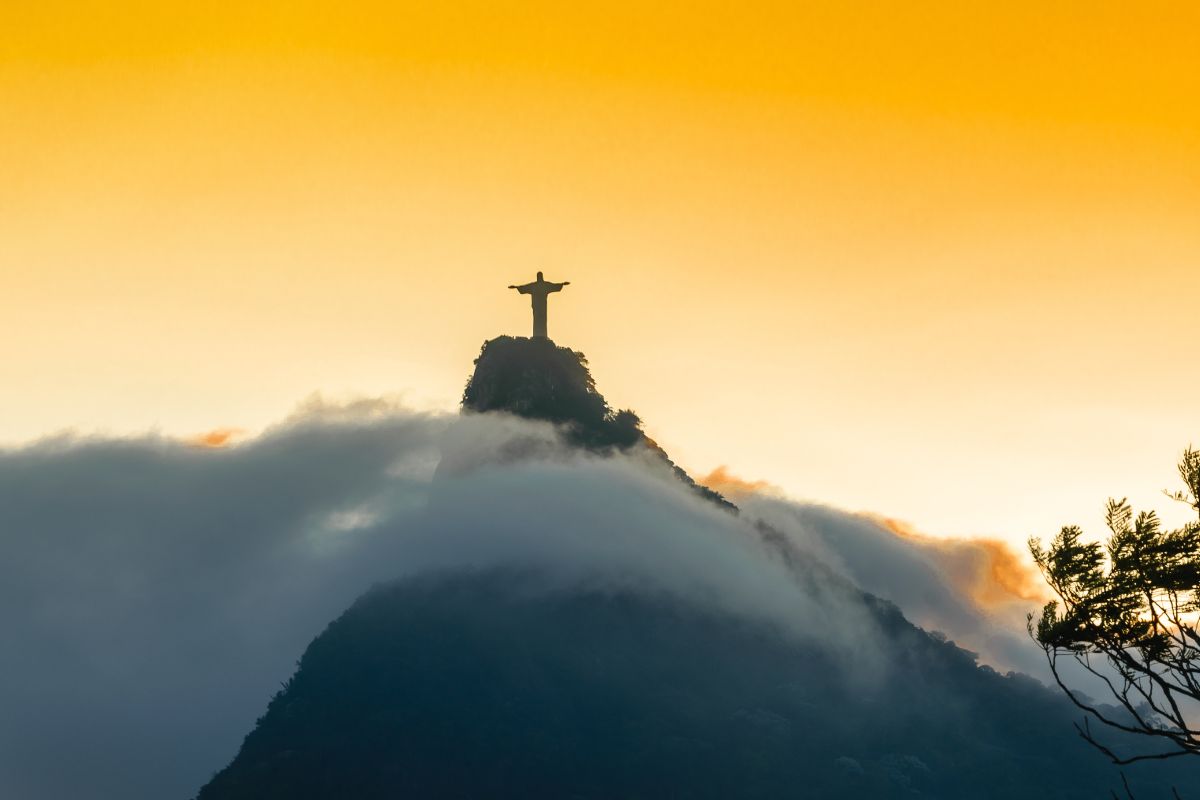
(537, 292)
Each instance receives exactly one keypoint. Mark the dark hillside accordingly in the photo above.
(479, 686)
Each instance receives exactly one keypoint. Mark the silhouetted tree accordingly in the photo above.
(1129, 618)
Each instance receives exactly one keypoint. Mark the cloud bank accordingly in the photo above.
(154, 593)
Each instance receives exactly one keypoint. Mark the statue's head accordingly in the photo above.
(539, 276)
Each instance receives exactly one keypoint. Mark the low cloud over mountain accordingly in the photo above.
(154, 594)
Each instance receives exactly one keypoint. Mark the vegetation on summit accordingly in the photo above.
(536, 379)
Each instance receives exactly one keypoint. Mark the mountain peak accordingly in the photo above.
(536, 379)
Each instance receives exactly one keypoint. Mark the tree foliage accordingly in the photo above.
(1128, 617)
(537, 379)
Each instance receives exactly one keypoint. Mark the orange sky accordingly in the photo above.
(913, 258)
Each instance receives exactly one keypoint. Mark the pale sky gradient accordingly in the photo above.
(933, 262)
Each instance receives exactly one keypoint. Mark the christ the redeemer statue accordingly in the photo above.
(537, 292)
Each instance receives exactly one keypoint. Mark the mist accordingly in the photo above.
(155, 593)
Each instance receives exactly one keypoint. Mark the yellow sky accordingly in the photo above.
(914, 258)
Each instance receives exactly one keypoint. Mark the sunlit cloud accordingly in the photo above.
(988, 571)
(725, 482)
(218, 437)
